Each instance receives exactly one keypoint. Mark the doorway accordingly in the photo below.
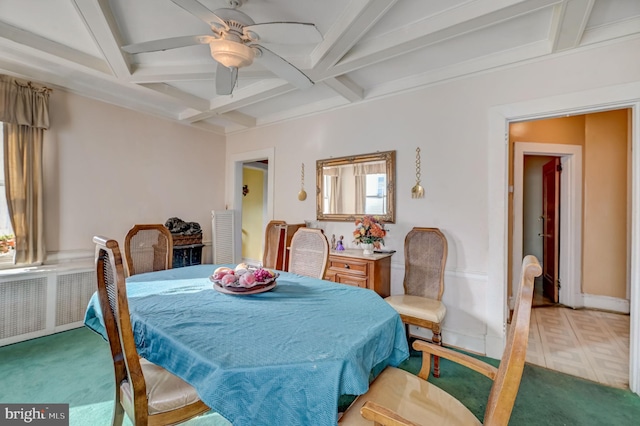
(602, 146)
(234, 193)
(500, 117)
(590, 241)
(254, 210)
(570, 220)
(541, 223)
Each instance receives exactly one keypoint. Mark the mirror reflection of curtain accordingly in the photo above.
(335, 202)
(361, 193)
(24, 108)
(334, 193)
(360, 172)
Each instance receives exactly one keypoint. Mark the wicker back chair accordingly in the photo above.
(273, 244)
(425, 256)
(399, 398)
(309, 253)
(277, 238)
(148, 393)
(148, 248)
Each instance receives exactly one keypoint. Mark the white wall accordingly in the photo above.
(450, 123)
(107, 168)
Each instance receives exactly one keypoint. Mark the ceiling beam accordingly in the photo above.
(101, 24)
(27, 41)
(353, 24)
(210, 127)
(485, 62)
(158, 74)
(186, 99)
(569, 22)
(240, 98)
(467, 18)
(625, 28)
(239, 118)
(345, 87)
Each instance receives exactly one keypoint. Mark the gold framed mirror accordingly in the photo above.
(350, 187)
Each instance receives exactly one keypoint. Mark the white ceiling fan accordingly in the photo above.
(234, 43)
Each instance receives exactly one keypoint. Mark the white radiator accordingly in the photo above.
(73, 292)
(223, 240)
(43, 301)
(23, 307)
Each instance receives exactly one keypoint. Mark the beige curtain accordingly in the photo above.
(24, 109)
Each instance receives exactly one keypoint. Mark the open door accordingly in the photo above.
(551, 227)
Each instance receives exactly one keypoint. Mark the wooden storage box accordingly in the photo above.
(185, 240)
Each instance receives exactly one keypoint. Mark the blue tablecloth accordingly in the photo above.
(277, 358)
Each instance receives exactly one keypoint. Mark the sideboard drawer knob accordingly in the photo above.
(346, 266)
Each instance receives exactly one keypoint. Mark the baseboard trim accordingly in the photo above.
(606, 303)
(452, 338)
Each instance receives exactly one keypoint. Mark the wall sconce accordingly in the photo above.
(245, 190)
(302, 195)
(417, 191)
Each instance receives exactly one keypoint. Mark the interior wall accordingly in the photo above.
(605, 205)
(252, 214)
(107, 168)
(449, 122)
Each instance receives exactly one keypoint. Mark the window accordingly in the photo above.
(7, 242)
(376, 194)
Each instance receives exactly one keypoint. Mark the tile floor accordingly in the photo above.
(586, 343)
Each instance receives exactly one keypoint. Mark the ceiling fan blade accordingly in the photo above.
(196, 8)
(225, 79)
(284, 33)
(282, 68)
(167, 43)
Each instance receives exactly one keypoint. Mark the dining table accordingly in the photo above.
(279, 357)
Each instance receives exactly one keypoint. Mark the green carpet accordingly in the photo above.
(75, 367)
(72, 367)
(545, 397)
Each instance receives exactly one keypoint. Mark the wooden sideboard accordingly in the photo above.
(353, 268)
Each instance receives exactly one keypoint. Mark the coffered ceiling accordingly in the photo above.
(368, 49)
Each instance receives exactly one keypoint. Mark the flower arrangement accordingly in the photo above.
(369, 230)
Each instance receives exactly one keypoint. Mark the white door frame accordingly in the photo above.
(234, 188)
(606, 98)
(570, 262)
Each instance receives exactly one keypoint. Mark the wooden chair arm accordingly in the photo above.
(429, 349)
(381, 416)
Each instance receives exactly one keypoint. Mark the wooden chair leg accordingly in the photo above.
(436, 339)
(406, 330)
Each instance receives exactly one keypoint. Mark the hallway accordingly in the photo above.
(586, 343)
